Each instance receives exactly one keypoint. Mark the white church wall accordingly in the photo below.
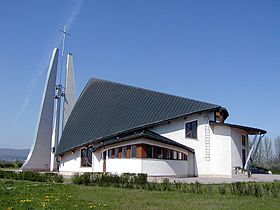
(221, 151)
(220, 145)
(119, 166)
(97, 165)
(159, 167)
(175, 130)
(236, 147)
(192, 171)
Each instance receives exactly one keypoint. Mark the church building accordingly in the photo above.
(119, 128)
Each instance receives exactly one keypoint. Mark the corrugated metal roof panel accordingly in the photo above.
(106, 108)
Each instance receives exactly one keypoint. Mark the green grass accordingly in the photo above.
(9, 169)
(38, 195)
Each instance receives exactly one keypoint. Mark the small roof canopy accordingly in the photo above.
(249, 130)
(145, 134)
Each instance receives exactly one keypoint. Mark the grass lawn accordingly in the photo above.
(9, 169)
(37, 195)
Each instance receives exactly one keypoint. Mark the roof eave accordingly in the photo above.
(249, 130)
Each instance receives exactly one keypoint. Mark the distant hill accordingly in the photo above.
(13, 154)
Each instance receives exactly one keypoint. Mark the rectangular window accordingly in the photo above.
(155, 151)
(149, 151)
(165, 153)
(243, 140)
(116, 152)
(110, 153)
(133, 151)
(191, 129)
(175, 155)
(104, 155)
(159, 153)
(86, 157)
(124, 149)
(180, 156)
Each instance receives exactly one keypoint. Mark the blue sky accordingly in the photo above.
(222, 52)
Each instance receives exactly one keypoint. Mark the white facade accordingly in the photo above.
(225, 144)
(224, 153)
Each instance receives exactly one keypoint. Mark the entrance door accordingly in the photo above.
(243, 157)
(104, 161)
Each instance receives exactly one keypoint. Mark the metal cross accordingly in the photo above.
(63, 39)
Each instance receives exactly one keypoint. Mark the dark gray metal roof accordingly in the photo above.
(105, 109)
(145, 134)
(249, 130)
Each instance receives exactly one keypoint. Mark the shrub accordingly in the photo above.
(32, 176)
(125, 180)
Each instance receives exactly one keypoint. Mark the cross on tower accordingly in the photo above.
(64, 31)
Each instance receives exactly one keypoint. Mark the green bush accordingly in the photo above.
(11, 164)
(125, 180)
(31, 176)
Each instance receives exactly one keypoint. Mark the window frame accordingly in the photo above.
(148, 151)
(132, 151)
(86, 161)
(186, 123)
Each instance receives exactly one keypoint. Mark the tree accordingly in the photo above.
(259, 155)
(277, 149)
(267, 150)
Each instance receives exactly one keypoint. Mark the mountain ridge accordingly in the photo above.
(10, 154)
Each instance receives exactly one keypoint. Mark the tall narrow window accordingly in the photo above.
(86, 157)
(180, 156)
(116, 152)
(133, 151)
(124, 149)
(165, 153)
(159, 153)
(175, 155)
(110, 153)
(149, 151)
(191, 129)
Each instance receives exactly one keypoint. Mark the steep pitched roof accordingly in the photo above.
(105, 109)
